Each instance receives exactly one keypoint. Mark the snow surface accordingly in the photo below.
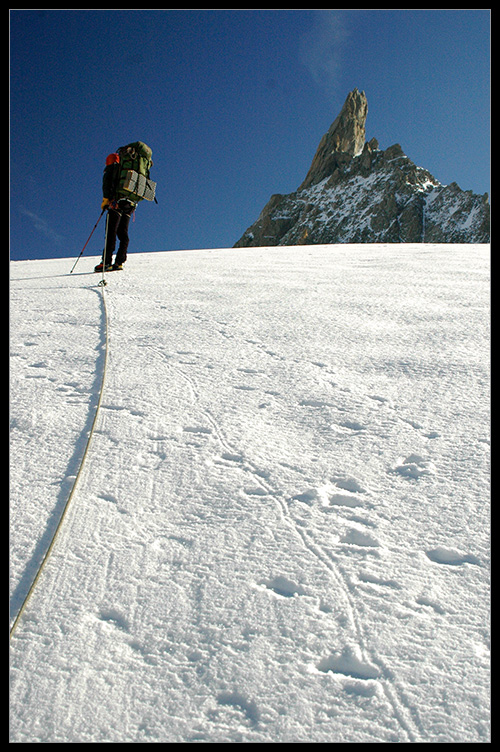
(281, 531)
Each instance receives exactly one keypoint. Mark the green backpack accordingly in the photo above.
(134, 182)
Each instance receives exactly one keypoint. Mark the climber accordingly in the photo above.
(125, 183)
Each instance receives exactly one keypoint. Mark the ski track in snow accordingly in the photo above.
(318, 433)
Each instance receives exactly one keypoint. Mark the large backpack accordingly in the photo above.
(134, 182)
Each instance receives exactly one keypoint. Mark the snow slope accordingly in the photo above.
(281, 531)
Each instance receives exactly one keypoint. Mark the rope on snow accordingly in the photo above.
(101, 285)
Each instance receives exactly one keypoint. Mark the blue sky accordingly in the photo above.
(233, 104)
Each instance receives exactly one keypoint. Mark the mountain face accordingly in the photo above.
(356, 193)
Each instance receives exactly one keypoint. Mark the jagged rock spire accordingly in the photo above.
(345, 139)
(368, 196)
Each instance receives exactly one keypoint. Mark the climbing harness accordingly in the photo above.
(101, 284)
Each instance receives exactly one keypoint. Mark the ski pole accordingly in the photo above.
(103, 282)
(86, 244)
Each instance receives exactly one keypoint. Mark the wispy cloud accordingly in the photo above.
(321, 48)
(42, 226)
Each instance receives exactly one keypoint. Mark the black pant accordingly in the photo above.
(118, 221)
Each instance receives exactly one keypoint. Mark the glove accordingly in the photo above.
(105, 203)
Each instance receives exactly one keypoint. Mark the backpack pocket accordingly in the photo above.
(139, 186)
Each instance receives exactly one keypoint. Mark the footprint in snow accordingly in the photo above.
(314, 403)
(348, 484)
(229, 457)
(306, 497)
(355, 537)
(449, 556)
(317, 496)
(349, 662)
(250, 371)
(345, 500)
(256, 491)
(242, 705)
(382, 400)
(413, 467)
(115, 619)
(351, 492)
(283, 587)
(429, 603)
(342, 492)
(352, 425)
(372, 579)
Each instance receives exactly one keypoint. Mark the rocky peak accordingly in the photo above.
(356, 193)
(344, 140)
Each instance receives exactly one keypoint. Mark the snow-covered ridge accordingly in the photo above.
(356, 193)
(379, 196)
(281, 531)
